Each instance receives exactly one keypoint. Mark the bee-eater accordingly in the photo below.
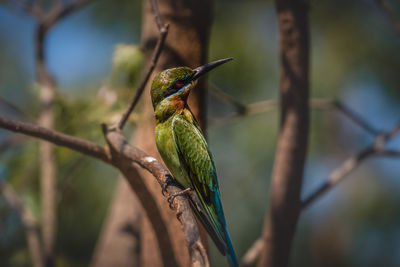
(185, 151)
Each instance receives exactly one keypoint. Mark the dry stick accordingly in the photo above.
(394, 21)
(163, 28)
(123, 155)
(28, 221)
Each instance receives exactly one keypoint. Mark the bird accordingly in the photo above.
(183, 148)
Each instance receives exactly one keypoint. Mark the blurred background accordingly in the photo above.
(354, 58)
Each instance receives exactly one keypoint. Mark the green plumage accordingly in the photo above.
(186, 154)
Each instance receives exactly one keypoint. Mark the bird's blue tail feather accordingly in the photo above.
(233, 261)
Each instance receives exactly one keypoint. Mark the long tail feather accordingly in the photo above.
(233, 261)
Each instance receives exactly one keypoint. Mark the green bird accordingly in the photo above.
(184, 149)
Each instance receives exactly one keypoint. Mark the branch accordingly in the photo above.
(28, 221)
(83, 146)
(377, 148)
(163, 28)
(252, 253)
(394, 21)
(13, 108)
(123, 155)
(281, 220)
(263, 106)
(242, 110)
(356, 118)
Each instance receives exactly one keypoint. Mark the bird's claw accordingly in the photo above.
(180, 193)
(168, 182)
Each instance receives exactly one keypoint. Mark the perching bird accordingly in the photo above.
(184, 150)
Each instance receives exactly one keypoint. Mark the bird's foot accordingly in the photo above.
(168, 182)
(180, 193)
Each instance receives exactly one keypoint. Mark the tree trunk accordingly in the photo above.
(186, 45)
(280, 223)
(119, 242)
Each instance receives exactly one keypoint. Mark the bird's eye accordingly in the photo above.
(176, 86)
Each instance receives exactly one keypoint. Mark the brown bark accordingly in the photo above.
(120, 237)
(281, 220)
(186, 45)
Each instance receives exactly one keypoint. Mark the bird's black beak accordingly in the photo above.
(207, 67)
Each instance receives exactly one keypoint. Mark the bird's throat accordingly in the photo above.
(169, 107)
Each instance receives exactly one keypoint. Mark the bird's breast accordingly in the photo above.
(168, 151)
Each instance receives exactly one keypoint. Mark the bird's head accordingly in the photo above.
(175, 84)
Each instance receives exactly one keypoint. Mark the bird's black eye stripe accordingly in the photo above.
(178, 84)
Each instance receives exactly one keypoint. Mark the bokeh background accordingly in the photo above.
(355, 58)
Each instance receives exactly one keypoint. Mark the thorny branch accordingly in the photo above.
(163, 28)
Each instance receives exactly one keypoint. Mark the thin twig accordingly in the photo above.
(340, 173)
(13, 108)
(264, 106)
(356, 118)
(157, 16)
(394, 21)
(28, 221)
(252, 253)
(83, 146)
(163, 28)
(239, 107)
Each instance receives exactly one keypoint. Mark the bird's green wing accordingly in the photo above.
(196, 158)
